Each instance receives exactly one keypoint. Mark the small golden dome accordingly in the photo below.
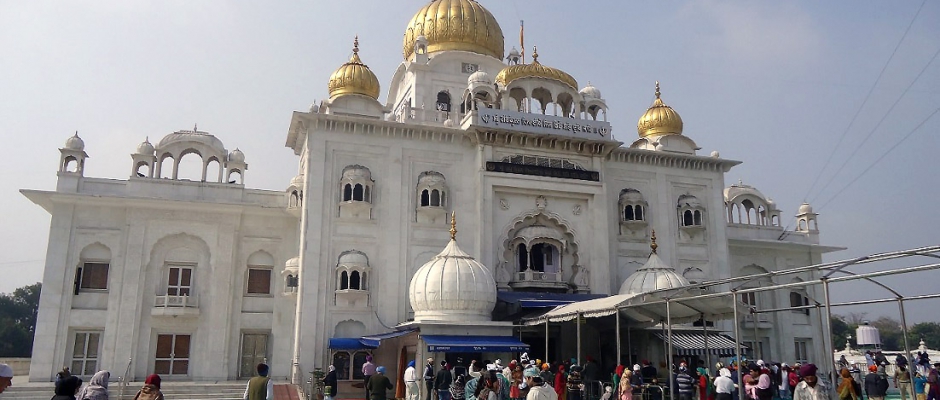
(455, 25)
(659, 119)
(354, 77)
(534, 70)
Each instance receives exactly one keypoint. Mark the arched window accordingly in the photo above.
(697, 220)
(523, 255)
(628, 213)
(435, 198)
(354, 281)
(425, 198)
(687, 219)
(357, 193)
(443, 101)
(638, 212)
(344, 280)
(347, 192)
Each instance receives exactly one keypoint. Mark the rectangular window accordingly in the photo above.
(754, 351)
(800, 352)
(93, 275)
(85, 353)
(171, 356)
(180, 281)
(797, 299)
(259, 281)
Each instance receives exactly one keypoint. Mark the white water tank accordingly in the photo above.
(867, 335)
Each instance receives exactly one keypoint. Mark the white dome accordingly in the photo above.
(805, 208)
(479, 77)
(739, 189)
(653, 275)
(590, 92)
(236, 156)
(630, 195)
(145, 148)
(353, 257)
(293, 262)
(452, 287)
(430, 178)
(513, 53)
(688, 200)
(75, 143)
(193, 136)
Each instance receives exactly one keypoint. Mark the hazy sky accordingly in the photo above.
(773, 84)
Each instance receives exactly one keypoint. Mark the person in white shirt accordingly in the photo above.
(724, 386)
(811, 388)
(260, 387)
(411, 381)
(538, 390)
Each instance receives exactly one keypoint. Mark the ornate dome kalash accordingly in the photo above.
(75, 143)
(462, 25)
(354, 77)
(659, 119)
(452, 286)
(145, 148)
(534, 70)
(653, 275)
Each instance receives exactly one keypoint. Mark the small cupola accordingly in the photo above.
(354, 77)
(654, 275)
(453, 286)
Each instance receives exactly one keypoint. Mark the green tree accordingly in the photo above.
(18, 320)
(929, 331)
(840, 331)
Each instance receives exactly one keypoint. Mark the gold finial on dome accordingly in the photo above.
(354, 77)
(659, 119)
(455, 25)
(535, 54)
(653, 244)
(453, 225)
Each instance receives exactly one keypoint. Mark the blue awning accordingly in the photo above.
(375, 340)
(349, 344)
(544, 299)
(473, 344)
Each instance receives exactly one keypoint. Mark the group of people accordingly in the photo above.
(523, 379)
(760, 381)
(69, 386)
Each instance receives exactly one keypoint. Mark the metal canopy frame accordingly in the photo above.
(684, 297)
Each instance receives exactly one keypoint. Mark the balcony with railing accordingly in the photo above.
(169, 305)
(532, 279)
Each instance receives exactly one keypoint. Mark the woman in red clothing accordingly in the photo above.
(561, 382)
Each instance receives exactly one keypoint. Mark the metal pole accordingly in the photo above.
(578, 323)
(759, 352)
(827, 339)
(665, 350)
(907, 347)
(617, 329)
(708, 361)
(737, 342)
(629, 347)
(672, 381)
(546, 341)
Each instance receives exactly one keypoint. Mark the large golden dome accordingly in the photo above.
(455, 25)
(659, 119)
(534, 70)
(354, 77)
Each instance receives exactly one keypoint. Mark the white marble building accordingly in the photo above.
(200, 280)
